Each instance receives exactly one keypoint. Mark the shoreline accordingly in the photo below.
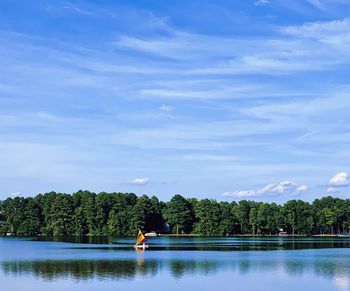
(186, 235)
(249, 235)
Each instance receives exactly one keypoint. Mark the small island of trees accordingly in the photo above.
(122, 214)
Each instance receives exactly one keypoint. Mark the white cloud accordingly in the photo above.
(340, 180)
(76, 9)
(285, 187)
(208, 157)
(140, 181)
(16, 194)
(166, 108)
(302, 188)
(335, 32)
(200, 90)
(308, 47)
(261, 2)
(332, 190)
(242, 193)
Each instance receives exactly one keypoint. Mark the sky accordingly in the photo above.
(210, 99)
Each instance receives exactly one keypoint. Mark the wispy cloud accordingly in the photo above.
(140, 181)
(77, 9)
(261, 2)
(316, 3)
(309, 47)
(208, 158)
(166, 108)
(332, 190)
(328, 32)
(285, 187)
(16, 194)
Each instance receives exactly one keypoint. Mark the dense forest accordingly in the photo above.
(122, 214)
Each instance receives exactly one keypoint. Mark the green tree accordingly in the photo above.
(299, 217)
(208, 215)
(104, 204)
(242, 213)
(229, 221)
(330, 218)
(140, 215)
(178, 214)
(119, 214)
(60, 216)
(32, 217)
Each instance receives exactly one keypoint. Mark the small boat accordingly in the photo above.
(344, 235)
(140, 241)
(151, 234)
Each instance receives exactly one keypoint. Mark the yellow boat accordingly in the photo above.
(140, 241)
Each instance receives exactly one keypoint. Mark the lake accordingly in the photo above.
(172, 263)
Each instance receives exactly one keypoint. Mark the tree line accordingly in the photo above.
(122, 214)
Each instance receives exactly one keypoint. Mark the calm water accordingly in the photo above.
(175, 264)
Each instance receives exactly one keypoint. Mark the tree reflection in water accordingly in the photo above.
(178, 268)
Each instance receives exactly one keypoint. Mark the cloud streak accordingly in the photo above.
(140, 181)
(261, 2)
(281, 188)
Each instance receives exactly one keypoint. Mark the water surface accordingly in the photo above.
(175, 264)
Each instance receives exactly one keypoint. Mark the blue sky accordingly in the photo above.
(219, 99)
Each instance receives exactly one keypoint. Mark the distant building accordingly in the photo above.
(281, 232)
